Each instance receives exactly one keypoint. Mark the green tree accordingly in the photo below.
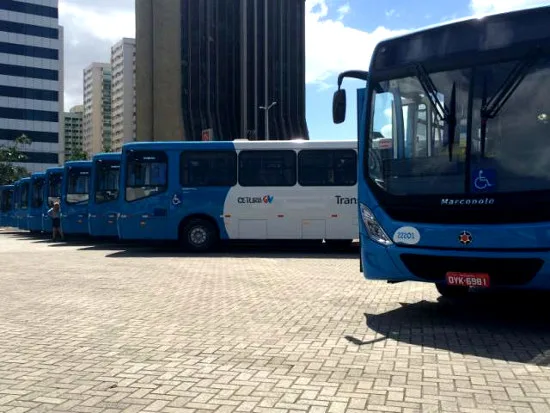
(10, 154)
(78, 155)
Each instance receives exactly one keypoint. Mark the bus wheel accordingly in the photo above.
(199, 235)
(452, 291)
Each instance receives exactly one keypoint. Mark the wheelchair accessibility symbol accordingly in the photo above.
(176, 200)
(484, 180)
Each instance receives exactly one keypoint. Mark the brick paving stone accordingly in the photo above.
(108, 328)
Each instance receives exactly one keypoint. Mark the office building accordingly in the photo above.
(31, 80)
(73, 136)
(206, 68)
(123, 63)
(96, 121)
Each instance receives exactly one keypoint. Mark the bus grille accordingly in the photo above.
(502, 271)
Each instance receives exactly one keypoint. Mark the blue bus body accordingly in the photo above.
(104, 193)
(7, 205)
(24, 187)
(52, 193)
(453, 183)
(74, 197)
(201, 192)
(36, 202)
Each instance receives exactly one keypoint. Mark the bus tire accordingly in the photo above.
(448, 291)
(199, 235)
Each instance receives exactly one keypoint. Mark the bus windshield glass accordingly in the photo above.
(37, 193)
(106, 184)
(419, 142)
(24, 195)
(7, 201)
(78, 186)
(54, 188)
(146, 174)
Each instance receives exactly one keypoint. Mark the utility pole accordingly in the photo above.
(266, 137)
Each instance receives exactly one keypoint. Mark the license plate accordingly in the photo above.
(466, 279)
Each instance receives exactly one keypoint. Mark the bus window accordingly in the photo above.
(78, 186)
(267, 168)
(146, 174)
(54, 189)
(37, 193)
(208, 168)
(107, 182)
(327, 167)
(24, 196)
(7, 201)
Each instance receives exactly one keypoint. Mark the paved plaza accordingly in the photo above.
(114, 328)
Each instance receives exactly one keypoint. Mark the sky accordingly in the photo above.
(340, 35)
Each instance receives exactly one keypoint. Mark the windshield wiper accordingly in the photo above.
(448, 115)
(491, 108)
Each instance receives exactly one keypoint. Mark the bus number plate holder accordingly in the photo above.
(468, 279)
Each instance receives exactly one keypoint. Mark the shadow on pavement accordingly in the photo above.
(510, 326)
(234, 249)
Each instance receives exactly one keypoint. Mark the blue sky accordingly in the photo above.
(341, 34)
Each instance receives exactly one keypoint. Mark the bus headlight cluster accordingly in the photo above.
(375, 231)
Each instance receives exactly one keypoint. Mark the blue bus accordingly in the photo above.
(202, 192)
(52, 193)
(74, 197)
(7, 206)
(454, 184)
(22, 212)
(104, 185)
(36, 202)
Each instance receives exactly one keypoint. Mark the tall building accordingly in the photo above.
(206, 68)
(73, 131)
(123, 102)
(31, 80)
(96, 123)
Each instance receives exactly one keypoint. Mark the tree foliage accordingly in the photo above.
(78, 155)
(9, 155)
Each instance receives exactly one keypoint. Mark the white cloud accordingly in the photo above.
(390, 13)
(332, 47)
(343, 10)
(497, 6)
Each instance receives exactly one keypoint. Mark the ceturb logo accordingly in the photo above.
(266, 199)
(467, 201)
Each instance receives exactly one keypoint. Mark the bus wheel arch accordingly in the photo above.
(198, 233)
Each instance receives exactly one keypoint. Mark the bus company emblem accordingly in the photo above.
(465, 238)
(266, 199)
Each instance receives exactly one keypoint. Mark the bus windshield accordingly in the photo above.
(37, 193)
(78, 186)
(106, 184)
(24, 195)
(7, 201)
(54, 188)
(146, 174)
(415, 150)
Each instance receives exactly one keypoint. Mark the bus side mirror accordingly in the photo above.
(339, 106)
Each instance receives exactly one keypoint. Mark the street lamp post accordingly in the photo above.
(267, 108)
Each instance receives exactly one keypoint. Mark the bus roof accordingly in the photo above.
(77, 163)
(242, 144)
(54, 169)
(107, 155)
(38, 174)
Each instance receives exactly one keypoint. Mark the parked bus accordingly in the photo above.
(201, 192)
(52, 193)
(24, 203)
(104, 184)
(7, 206)
(74, 197)
(36, 196)
(462, 198)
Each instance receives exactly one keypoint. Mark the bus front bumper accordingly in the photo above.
(522, 269)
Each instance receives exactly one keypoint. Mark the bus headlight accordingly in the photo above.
(375, 231)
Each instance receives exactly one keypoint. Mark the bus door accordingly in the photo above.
(146, 213)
